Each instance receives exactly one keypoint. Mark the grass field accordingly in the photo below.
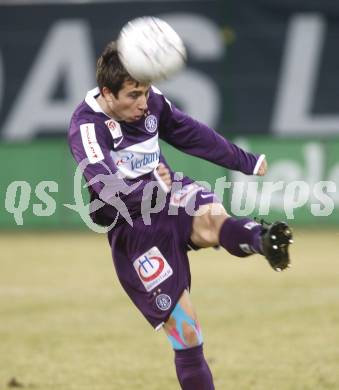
(66, 324)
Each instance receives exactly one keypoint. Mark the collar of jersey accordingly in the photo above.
(90, 99)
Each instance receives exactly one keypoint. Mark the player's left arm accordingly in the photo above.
(197, 139)
(263, 166)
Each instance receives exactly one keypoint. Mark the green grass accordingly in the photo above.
(66, 324)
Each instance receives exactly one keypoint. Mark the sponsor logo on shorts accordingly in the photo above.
(250, 225)
(152, 268)
(163, 302)
(181, 197)
(151, 123)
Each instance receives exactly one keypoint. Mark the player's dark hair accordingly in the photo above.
(110, 71)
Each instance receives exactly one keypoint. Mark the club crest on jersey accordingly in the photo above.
(151, 123)
(163, 302)
(152, 268)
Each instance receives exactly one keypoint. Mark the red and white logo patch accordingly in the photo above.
(114, 128)
(152, 268)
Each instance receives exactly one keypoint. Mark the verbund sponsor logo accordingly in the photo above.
(125, 159)
(147, 159)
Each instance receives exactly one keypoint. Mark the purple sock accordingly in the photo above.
(192, 369)
(240, 237)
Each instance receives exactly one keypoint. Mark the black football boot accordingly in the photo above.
(276, 238)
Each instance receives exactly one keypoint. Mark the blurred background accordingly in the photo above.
(263, 73)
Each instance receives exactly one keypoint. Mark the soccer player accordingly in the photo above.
(155, 215)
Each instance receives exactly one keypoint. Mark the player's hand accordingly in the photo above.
(263, 168)
(164, 175)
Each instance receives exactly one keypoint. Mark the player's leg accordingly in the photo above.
(184, 333)
(241, 236)
(213, 226)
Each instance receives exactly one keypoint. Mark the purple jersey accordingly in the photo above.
(128, 153)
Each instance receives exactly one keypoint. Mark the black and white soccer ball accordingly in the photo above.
(150, 49)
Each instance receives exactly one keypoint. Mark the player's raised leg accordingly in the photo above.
(184, 333)
(242, 236)
(213, 226)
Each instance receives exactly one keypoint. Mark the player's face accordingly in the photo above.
(131, 103)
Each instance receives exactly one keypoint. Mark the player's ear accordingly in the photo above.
(107, 94)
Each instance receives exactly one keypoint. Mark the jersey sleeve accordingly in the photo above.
(197, 139)
(91, 152)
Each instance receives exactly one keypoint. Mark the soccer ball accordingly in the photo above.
(150, 49)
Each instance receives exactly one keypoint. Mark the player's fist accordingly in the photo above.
(263, 168)
(164, 175)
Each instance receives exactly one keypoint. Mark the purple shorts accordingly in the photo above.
(151, 260)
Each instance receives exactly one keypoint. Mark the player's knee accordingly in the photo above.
(192, 335)
(182, 330)
(185, 336)
(206, 226)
